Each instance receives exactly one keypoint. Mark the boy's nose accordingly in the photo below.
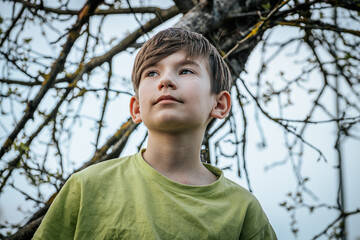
(166, 82)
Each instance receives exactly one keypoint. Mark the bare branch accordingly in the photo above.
(57, 66)
(101, 12)
(6, 35)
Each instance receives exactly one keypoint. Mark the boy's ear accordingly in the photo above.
(222, 105)
(135, 110)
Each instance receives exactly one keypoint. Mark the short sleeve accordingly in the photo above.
(256, 224)
(267, 233)
(61, 219)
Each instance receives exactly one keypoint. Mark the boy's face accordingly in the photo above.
(174, 95)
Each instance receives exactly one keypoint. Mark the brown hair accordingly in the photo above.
(171, 40)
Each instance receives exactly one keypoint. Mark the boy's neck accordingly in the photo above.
(177, 157)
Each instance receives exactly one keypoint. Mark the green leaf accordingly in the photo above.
(266, 6)
(27, 40)
(311, 90)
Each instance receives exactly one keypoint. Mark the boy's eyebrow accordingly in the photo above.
(188, 62)
(181, 63)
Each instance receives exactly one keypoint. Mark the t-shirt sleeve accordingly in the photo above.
(60, 220)
(267, 233)
(256, 224)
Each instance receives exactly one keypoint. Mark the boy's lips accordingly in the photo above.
(166, 97)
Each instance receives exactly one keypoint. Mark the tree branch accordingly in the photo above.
(7, 33)
(97, 12)
(57, 67)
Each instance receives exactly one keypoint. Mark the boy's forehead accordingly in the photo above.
(179, 58)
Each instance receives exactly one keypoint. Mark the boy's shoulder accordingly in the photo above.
(230, 185)
(232, 188)
(250, 204)
(107, 168)
(240, 191)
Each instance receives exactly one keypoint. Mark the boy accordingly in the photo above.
(181, 83)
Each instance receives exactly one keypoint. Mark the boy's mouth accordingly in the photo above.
(166, 97)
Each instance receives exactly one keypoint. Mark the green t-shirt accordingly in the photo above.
(127, 199)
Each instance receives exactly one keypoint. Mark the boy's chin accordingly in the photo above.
(173, 127)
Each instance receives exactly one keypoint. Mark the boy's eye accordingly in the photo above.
(186, 71)
(152, 74)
